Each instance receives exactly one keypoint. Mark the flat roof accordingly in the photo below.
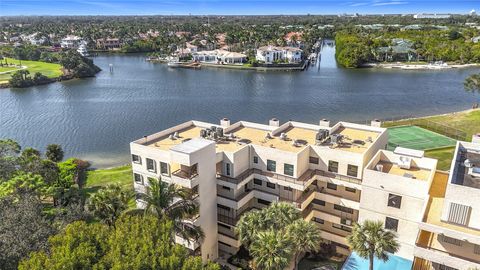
(415, 172)
(165, 142)
(192, 145)
(298, 136)
(434, 208)
(463, 175)
(258, 136)
(355, 140)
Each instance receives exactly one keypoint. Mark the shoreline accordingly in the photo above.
(111, 167)
(418, 66)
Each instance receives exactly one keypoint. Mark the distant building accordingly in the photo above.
(108, 43)
(431, 16)
(270, 54)
(71, 42)
(473, 13)
(219, 56)
(294, 39)
(476, 39)
(400, 50)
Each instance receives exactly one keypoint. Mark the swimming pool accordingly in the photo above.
(355, 262)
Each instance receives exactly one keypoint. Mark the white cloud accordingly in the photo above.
(378, 3)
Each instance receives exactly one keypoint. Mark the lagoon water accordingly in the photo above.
(96, 118)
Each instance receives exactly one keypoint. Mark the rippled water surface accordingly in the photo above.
(96, 118)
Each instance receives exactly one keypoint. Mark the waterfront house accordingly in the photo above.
(294, 39)
(108, 43)
(400, 50)
(71, 42)
(219, 56)
(271, 54)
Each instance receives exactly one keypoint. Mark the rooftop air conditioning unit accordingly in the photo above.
(283, 136)
(176, 134)
(220, 132)
(171, 137)
(203, 133)
(232, 136)
(404, 162)
(268, 136)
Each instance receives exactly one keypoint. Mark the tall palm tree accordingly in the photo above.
(270, 251)
(174, 203)
(371, 240)
(305, 237)
(109, 203)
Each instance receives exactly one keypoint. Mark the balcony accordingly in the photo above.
(302, 180)
(186, 176)
(430, 248)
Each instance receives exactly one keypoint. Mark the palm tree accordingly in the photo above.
(174, 203)
(271, 251)
(109, 203)
(305, 237)
(472, 84)
(371, 240)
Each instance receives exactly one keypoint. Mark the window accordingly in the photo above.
(443, 267)
(227, 169)
(318, 202)
(394, 200)
(223, 225)
(288, 169)
(352, 170)
(223, 243)
(271, 165)
(223, 207)
(271, 185)
(263, 202)
(341, 227)
(136, 159)
(313, 160)
(138, 178)
(288, 188)
(255, 159)
(318, 220)
(331, 186)
(391, 224)
(151, 165)
(449, 240)
(257, 181)
(226, 188)
(346, 221)
(350, 189)
(343, 208)
(164, 168)
(476, 249)
(333, 166)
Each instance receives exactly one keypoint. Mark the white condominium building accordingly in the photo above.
(335, 175)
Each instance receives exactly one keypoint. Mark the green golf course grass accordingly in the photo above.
(50, 70)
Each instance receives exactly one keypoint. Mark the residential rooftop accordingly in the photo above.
(466, 171)
(291, 136)
(412, 172)
(435, 204)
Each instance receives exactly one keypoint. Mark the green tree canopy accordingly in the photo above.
(136, 242)
(109, 203)
(370, 240)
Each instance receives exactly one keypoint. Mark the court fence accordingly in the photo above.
(437, 127)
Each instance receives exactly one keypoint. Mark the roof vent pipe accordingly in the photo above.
(274, 122)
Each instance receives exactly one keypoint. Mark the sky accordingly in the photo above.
(231, 7)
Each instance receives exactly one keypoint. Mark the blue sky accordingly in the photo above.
(230, 7)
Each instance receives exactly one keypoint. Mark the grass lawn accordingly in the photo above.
(308, 264)
(5, 69)
(50, 70)
(444, 156)
(97, 179)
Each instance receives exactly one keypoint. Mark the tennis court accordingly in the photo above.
(418, 138)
